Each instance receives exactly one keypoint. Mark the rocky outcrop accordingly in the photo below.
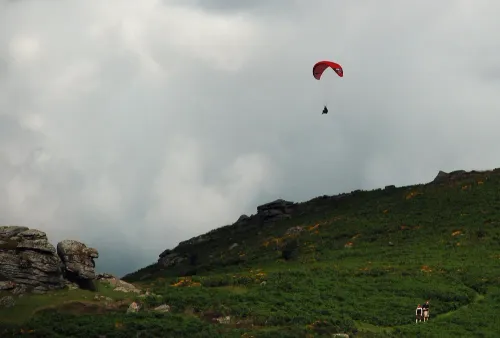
(443, 177)
(275, 211)
(28, 262)
(117, 284)
(243, 220)
(77, 258)
(78, 262)
(266, 213)
(170, 258)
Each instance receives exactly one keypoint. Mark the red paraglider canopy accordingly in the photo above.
(320, 67)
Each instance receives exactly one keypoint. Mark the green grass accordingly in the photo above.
(438, 241)
(28, 305)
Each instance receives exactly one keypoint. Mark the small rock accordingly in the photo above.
(294, 231)
(162, 308)
(133, 308)
(19, 289)
(105, 276)
(224, 320)
(39, 290)
(121, 289)
(7, 302)
(7, 285)
(72, 286)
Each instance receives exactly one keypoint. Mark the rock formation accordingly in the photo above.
(243, 220)
(266, 213)
(275, 211)
(443, 177)
(78, 262)
(29, 263)
(117, 284)
(170, 258)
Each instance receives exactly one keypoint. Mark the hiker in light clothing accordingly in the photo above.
(418, 314)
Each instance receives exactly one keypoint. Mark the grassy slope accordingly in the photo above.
(27, 305)
(445, 244)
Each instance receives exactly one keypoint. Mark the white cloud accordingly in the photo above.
(24, 49)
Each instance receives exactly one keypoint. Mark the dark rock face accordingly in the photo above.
(78, 262)
(243, 220)
(275, 211)
(443, 177)
(28, 262)
(169, 258)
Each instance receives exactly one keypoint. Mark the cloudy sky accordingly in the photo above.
(133, 125)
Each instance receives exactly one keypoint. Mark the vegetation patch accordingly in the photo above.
(358, 265)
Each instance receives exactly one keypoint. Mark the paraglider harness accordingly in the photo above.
(325, 111)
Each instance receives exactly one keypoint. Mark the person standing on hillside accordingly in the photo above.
(425, 310)
(418, 314)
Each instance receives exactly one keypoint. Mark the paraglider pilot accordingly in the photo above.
(325, 111)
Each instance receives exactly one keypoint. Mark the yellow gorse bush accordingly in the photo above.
(186, 282)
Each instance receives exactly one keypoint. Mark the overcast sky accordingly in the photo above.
(133, 125)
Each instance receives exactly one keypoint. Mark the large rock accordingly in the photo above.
(275, 211)
(243, 220)
(117, 284)
(28, 262)
(78, 261)
(169, 258)
(443, 177)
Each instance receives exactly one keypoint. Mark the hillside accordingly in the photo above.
(356, 264)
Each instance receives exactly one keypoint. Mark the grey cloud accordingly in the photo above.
(135, 128)
(237, 6)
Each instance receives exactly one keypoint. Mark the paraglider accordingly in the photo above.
(319, 69)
